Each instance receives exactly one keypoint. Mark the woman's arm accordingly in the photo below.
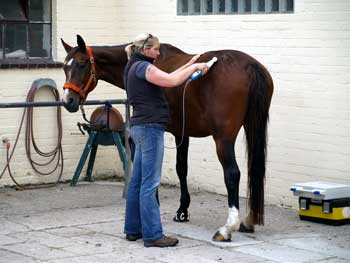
(163, 79)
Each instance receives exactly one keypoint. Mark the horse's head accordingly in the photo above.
(79, 67)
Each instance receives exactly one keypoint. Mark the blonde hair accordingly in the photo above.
(144, 40)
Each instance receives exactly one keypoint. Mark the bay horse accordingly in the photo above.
(235, 92)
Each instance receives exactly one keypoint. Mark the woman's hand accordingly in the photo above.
(194, 59)
(202, 67)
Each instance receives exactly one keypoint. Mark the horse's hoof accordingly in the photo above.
(181, 217)
(218, 237)
(246, 229)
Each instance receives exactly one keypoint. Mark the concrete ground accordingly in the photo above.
(84, 224)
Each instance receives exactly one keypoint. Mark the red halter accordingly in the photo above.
(83, 91)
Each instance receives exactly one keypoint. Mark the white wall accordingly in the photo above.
(307, 54)
(96, 24)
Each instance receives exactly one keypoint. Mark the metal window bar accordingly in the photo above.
(182, 7)
(219, 6)
(258, 6)
(194, 7)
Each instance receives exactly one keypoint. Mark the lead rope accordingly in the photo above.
(107, 107)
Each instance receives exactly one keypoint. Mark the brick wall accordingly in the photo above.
(96, 23)
(307, 54)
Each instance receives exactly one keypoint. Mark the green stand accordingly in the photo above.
(98, 138)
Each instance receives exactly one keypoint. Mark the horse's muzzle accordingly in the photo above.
(71, 101)
(70, 107)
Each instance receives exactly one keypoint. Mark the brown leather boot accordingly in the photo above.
(163, 242)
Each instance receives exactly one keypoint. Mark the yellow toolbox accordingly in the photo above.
(323, 202)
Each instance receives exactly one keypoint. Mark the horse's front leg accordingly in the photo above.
(181, 170)
(226, 154)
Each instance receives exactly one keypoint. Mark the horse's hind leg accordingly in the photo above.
(247, 226)
(181, 169)
(226, 154)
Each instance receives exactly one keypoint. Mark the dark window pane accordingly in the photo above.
(12, 10)
(248, 6)
(183, 6)
(16, 41)
(234, 6)
(196, 6)
(1, 45)
(290, 5)
(39, 39)
(261, 6)
(221, 4)
(209, 6)
(39, 10)
(275, 6)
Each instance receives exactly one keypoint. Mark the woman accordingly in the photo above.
(143, 83)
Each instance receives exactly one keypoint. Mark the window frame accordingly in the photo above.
(28, 61)
(241, 4)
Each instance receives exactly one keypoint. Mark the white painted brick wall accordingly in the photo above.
(17, 83)
(307, 54)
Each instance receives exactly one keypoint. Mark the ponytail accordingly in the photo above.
(129, 49)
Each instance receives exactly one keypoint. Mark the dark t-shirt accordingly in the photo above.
(147, 100)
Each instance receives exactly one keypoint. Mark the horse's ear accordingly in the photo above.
(67, 47)
(81, 44)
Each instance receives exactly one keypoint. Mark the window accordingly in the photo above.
(25, 30)
(206, 7)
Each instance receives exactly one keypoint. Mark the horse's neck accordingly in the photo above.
(171, 58)
(111, 62)
(167, 50)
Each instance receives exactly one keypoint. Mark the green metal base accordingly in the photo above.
(97, 138)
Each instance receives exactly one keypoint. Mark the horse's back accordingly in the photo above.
(221, 94)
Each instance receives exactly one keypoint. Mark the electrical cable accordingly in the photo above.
(195, 75)
(183, 117)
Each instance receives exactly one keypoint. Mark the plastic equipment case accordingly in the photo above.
(323, 202)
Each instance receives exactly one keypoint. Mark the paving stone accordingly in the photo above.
(69, 231)
(45, 239)
(204, 253)
(6, 240)
(100, 243)
(318, 244)
(204, 234)
(113, 228)
(11, 257)
(7, 227)
(67, 217)
(281, 253)
(106, 258)
(332, 260)
(84, 224)
(37, 251)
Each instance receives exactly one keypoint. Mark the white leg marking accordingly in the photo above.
(232, 223)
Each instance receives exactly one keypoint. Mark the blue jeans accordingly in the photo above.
(142, 213)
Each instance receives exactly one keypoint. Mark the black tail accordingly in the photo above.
(255, 126)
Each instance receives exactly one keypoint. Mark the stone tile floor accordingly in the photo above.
(84, 224)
